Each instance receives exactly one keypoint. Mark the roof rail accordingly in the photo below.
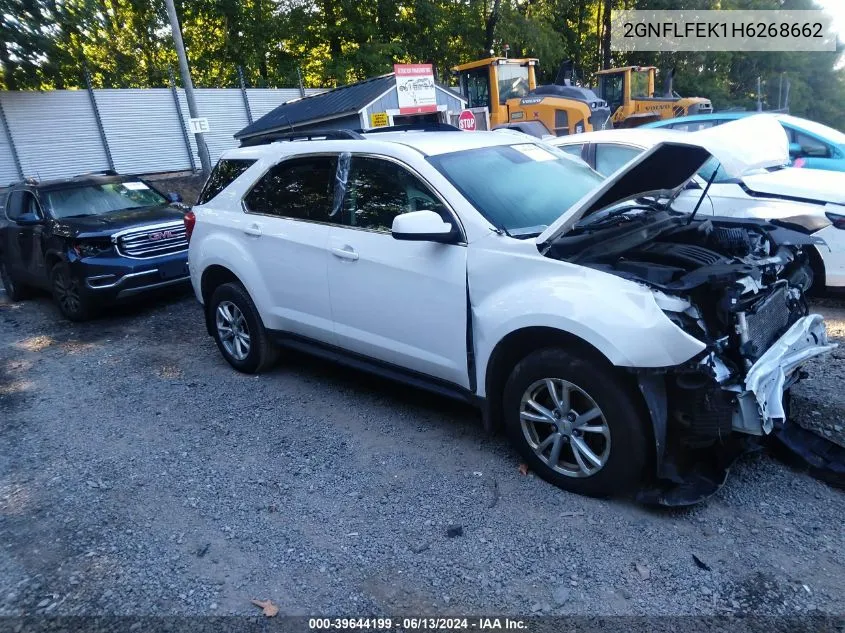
(430, 126)
(102, 172)
(311, 135)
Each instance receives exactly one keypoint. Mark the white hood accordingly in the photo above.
(740, 146)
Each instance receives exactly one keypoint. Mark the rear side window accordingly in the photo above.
(300, 188)
(222, 175)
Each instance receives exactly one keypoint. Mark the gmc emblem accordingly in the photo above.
(161, 235)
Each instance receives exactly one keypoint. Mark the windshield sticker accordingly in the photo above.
(534, 152)
(135, 186)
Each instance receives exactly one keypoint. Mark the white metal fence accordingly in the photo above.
(62, 133)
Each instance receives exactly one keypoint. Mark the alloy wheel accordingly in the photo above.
(564, 427)
(66, 291)
(233, 330)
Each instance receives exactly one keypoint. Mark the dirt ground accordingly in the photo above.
(140, 475)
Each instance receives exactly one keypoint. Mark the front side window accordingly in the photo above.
(531, 186)
(513, 82)
(224, 173)
(611, 90)
(300, 188)
(611, 157)
(15, 206)
(101, 199)
(811, 146)
(575, 149)
(378, 190)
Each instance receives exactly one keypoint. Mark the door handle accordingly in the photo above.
(347, 252)
(253, 229)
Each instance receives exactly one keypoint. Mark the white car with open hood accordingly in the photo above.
(811, 201)
(621, 344)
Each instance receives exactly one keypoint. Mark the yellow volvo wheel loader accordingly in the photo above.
(629, 91)
(508, 89)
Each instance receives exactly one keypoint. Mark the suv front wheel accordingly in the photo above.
(238, 330)
(575, 425)
(68, 294)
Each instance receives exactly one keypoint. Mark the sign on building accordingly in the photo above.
(198, 126)
(378, 119)
(415, 87)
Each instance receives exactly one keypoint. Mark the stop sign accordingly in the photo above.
(467, 121)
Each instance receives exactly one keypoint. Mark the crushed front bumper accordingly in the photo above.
(772, 374)
(686, 476)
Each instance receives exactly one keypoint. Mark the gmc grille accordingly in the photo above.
(153, 241)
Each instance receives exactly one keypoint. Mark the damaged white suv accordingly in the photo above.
(622, 345)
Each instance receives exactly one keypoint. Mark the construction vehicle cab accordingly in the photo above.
(630, 94)
(508, 89)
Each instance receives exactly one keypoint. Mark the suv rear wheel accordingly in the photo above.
(238, 330)
(574, 424)
(14, 290)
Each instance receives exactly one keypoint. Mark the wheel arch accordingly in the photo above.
(212, 278)
(519, 343)
(817, 266)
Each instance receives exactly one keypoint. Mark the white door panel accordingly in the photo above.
(295, 269)
(286, 229)
(401, 302)
(688, 199)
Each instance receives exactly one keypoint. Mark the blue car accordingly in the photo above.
(811, 145)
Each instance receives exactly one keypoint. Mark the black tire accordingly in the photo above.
(69, 295)
(262, 352)
(625, 454)
(14, 290)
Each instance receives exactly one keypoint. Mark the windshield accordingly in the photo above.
(520, 188)
(513, 82)
(101, 199)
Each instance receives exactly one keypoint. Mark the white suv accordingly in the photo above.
(614, 339)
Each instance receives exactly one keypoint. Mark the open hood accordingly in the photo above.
(740, 146)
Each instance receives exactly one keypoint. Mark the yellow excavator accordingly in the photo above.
(629, 91)
(508, 89)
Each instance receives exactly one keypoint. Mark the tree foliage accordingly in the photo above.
(50, 44)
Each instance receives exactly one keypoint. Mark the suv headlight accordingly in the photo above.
(91, 248)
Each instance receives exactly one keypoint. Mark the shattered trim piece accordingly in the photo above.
(767, 377)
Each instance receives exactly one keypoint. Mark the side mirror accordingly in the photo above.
(29, 219)
(795, 150)
(174, 197)
(423, 226)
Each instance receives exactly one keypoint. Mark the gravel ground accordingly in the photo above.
(139, 474)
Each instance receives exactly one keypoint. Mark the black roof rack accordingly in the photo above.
(429, 126)
(102, 172)
(343, 134)
(310, 135)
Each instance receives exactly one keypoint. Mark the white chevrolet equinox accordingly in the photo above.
(622, 345)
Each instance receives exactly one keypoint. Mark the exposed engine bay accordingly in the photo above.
(739, 287)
